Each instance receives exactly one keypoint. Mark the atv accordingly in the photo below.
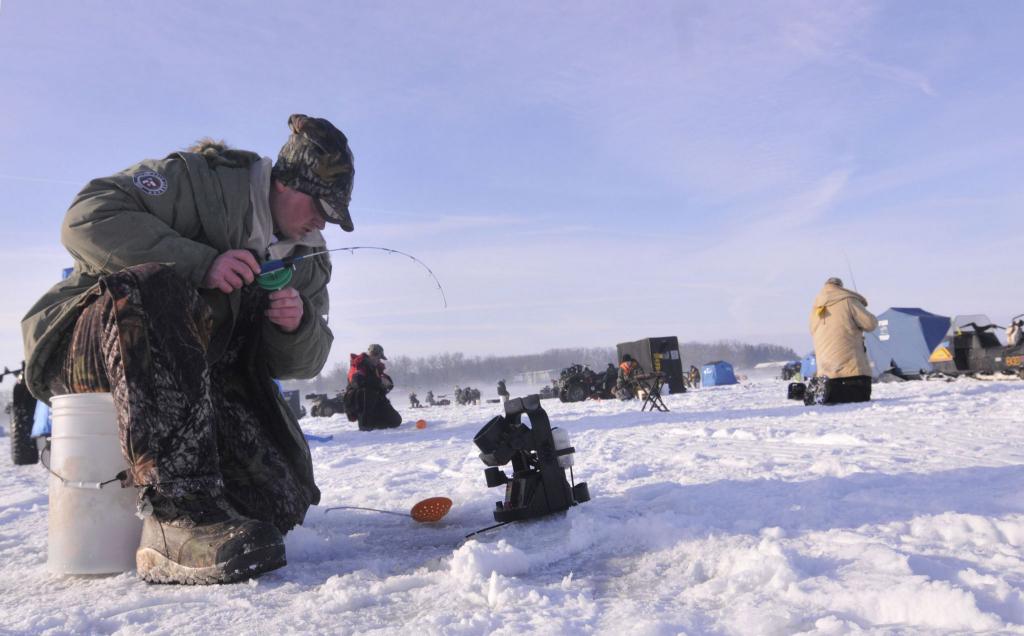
(322, 406)
(974, 350)
(580, 382)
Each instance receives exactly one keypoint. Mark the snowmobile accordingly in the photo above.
(441, 400)
(580, 382)
(322, 406)
(975, 350)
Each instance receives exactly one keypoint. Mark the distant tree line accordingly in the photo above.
(739, 354)
(444, 370)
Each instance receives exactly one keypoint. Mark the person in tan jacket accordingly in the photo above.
(838, 321)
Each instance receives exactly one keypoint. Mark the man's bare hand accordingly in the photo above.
(285, 309)
(231, 270)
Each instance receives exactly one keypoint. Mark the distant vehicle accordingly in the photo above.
(580, 382)
(548, 392)
(322, 406)
(974, 350)
(790, 371)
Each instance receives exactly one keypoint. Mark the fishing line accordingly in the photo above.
(277, 273)
(429, 510)
(850, 268)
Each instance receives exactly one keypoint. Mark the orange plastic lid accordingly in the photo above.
(431, 510)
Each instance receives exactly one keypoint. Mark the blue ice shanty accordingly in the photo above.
(717, 373)
(809, 366)
(904, 339)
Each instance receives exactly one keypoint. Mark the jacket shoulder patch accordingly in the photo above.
(152, 183)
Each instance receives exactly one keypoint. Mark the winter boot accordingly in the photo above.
(200, 539)
(796, 391)
(816, 391)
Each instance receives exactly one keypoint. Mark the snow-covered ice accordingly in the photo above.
(738, 512)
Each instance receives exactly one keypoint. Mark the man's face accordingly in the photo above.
(295, 213)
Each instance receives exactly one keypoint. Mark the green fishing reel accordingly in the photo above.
(275, 280)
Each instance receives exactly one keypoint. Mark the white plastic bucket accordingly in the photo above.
(92, 530)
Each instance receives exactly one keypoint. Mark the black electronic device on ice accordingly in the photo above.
(539, 456)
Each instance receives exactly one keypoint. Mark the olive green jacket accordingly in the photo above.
(194, 208)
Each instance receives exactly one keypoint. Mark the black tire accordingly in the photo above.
(23, 447)
(576, 393)
(326, 411)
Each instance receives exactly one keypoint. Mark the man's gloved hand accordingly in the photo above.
(231, 270)
(285, 309)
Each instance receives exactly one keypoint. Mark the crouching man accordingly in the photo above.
(629, 369)
(161, 311)
(366, 397)
(838, 321)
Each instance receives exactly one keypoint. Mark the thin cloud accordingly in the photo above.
(893, 73)
(14, 177)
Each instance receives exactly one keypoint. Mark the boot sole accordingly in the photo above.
(154, 567)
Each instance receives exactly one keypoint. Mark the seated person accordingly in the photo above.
(365, 397)
(626, 387)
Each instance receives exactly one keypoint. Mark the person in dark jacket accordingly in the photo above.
(366, 399)
(503, 391)
(694, 377)
(161, 311)
(610, 377)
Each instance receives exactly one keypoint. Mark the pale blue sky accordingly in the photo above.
(576, 174)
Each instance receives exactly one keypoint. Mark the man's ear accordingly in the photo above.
(278, 186)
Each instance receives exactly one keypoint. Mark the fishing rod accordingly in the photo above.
(277, 273)
(850, 268)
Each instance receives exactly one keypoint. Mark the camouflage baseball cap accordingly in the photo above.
(317, 161)
(376, 350)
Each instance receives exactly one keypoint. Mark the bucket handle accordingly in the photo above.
(44, 457)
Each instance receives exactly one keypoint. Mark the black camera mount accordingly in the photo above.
(538, 485)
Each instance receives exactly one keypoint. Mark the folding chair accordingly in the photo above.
(651, 386)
